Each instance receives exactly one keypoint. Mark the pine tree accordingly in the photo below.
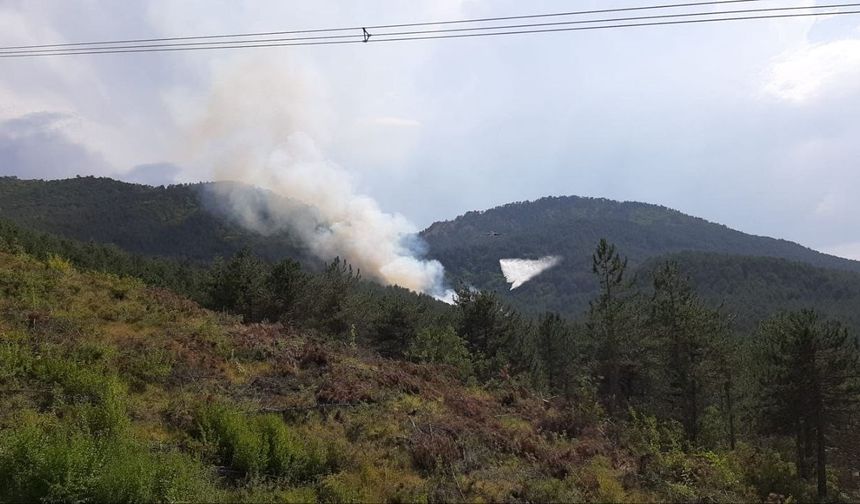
(396, 327)
(686, 335)
(327, 301)
(479, 321)
(557, 351)
(439, 344)
(286, 283)
(239, 286)
(809, 385)
(496, 335)
(613, 331)
(725, 362)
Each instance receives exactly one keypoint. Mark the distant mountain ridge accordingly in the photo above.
(596, 216)
(753, 275)
(178, 221)
(471, 245)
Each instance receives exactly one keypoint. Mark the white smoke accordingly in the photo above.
(260, 126)
(519, 271)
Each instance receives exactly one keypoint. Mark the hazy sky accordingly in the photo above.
(751, 124)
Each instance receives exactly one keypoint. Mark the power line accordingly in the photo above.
(189, 45)
(422, 32)
(574, 13)
(632, 25)
(397, 39)
(393, 38)
(383, 27)
(613, 20)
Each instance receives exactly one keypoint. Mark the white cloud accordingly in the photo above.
(396, 122)
(833, 204)
(38, 145)
(805, 74)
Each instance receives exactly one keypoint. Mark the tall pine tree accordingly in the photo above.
(686, 336)
(809, 385)
(613, 330)
(558, 353)
(496, 335)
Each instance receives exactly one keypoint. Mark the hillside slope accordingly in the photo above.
(471, 245)
(175, 221)
(753, 288)
(186, 222)
(117, 391)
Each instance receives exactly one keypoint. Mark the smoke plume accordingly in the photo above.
(519, 271)
(266, 127)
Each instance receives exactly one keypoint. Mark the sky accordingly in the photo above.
(749, 124)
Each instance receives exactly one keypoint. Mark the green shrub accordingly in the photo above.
(53, 464)
(127, 475)
(341, 489)
(678, 472)
(47, 460)
(237, 443)
(287, 454)
(122, 287)
(91, 353)
(552, 490)
(601, 481)
(58, 264)
(150, 365)
(266, 492)
(131, 474)
(768, 473)
(301, 495)
(16, 361)
(98, 398)
(261, 445)
(441, 345)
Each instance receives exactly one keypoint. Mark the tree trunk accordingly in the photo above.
(821, 468)
(731, 413)
(800, 452)
(808, 443)
(694, 412)
(820, 441)
(614, 387)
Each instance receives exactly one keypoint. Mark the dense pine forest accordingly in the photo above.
(180, 221)
(724, 265)
(752, 276)
(130, 378)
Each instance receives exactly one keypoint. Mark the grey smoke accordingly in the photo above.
(260, 126)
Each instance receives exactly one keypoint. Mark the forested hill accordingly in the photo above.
(308, 385)
(181, 221)
(753, 288)
(471, 245)
(172, 221)
(572, 224)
